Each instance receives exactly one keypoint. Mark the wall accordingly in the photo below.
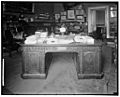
(43, 8)
(58, 7)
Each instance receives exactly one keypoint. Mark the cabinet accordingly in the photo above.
(89, 61)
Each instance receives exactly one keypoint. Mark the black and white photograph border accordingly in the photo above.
(57, 69)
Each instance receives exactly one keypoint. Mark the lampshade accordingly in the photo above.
(62, 29)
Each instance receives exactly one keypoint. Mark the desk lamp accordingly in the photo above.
(63, 29)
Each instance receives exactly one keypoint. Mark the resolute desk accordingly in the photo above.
(87, 59)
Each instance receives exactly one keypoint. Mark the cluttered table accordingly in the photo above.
(86, 56)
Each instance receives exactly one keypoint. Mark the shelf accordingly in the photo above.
(17, 13)
(44, 21)
(68, 21)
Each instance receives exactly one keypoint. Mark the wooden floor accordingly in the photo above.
(61, 79)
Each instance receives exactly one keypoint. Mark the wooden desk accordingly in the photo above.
(87, 59)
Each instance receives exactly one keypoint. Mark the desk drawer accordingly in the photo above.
(33, 49)
(62, 49)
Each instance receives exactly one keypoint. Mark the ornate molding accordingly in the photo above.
(33, 49)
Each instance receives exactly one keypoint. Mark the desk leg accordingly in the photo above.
(79, 62)
(76, 62)
(42, 66)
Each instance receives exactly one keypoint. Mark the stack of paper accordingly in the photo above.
(89, 40)
(31, 40)
(52, 41)
(59, 41)
(65, 41)
(84, 39)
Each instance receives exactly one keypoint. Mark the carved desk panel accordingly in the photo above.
(87, 59)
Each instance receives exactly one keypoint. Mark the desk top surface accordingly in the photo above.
(96, 43)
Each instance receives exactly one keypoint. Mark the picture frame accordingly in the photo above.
(79, 17)
(57, 16)
(71, 14)
(63, 17)
(63, 13)
(79, 12)
(113, 13)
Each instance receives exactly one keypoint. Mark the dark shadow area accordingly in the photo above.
(6, 91)
(48, 60)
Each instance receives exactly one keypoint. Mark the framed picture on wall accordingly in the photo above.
(113, 13)
(70, 14)
(79, 12)
(80, 18)
(63, 17)
(63, 13)
(57, 16)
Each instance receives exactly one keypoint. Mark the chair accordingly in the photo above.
(9, 44)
